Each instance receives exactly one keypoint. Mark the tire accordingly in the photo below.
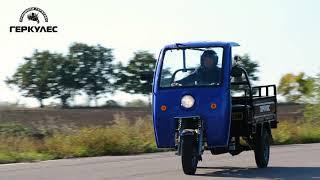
(262, 148)
(189, 155)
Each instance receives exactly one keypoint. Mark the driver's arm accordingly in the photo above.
(189, 80)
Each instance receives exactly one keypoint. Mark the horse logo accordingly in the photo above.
(33, 14)
(33, 17)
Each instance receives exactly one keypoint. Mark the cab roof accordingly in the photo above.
(200, 44)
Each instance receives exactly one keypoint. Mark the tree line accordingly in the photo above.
(300, 88)
(303, 89)
(85, 68)
(89, 69)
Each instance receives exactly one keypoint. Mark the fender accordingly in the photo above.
(182, 134)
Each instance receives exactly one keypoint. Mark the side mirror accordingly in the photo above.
(146, 76)
(237, 58)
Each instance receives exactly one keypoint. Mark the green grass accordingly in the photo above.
(21, 144)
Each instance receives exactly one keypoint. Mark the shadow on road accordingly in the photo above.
(266, 173)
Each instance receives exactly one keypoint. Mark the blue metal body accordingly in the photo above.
(216, 121)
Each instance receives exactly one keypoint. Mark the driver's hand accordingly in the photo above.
(176, 84)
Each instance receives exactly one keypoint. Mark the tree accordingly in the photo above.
(112, 103)
(95, 68)
(36, 76)
(137, 103)
(296, 88)
(250, 66)
(129, 77)
(317, 89)
(66, 81)
(312, 110)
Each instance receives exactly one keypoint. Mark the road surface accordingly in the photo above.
(287, 162)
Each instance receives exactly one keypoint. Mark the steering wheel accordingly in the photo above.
(175, 73)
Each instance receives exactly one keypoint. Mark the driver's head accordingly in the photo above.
(209, 59)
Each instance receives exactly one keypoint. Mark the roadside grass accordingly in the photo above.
(22, 144)
(296, 132)
(19, 144)
(122, 138)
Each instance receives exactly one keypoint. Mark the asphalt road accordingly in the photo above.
(287, 162)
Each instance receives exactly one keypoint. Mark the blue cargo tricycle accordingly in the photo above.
(203, 100)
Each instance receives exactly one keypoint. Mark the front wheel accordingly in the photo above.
(189, 156)
(262, 148)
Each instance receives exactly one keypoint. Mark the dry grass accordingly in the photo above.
(122, 138)
(296, 132)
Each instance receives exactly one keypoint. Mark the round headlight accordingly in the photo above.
(187, 101)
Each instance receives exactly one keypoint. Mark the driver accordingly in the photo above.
(207, 73)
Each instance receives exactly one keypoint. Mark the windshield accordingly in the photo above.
(192, 67)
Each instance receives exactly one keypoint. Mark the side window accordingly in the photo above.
(169, 66)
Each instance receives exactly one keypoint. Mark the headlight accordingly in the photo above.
(187, 101)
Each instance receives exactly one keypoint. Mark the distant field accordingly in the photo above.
(57, 118)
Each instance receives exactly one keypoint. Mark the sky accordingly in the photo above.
(281, 35)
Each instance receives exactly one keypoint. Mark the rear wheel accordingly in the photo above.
(189, 156)
(262, 148)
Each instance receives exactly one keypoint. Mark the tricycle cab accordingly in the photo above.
(194, 108)
(212, 102)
